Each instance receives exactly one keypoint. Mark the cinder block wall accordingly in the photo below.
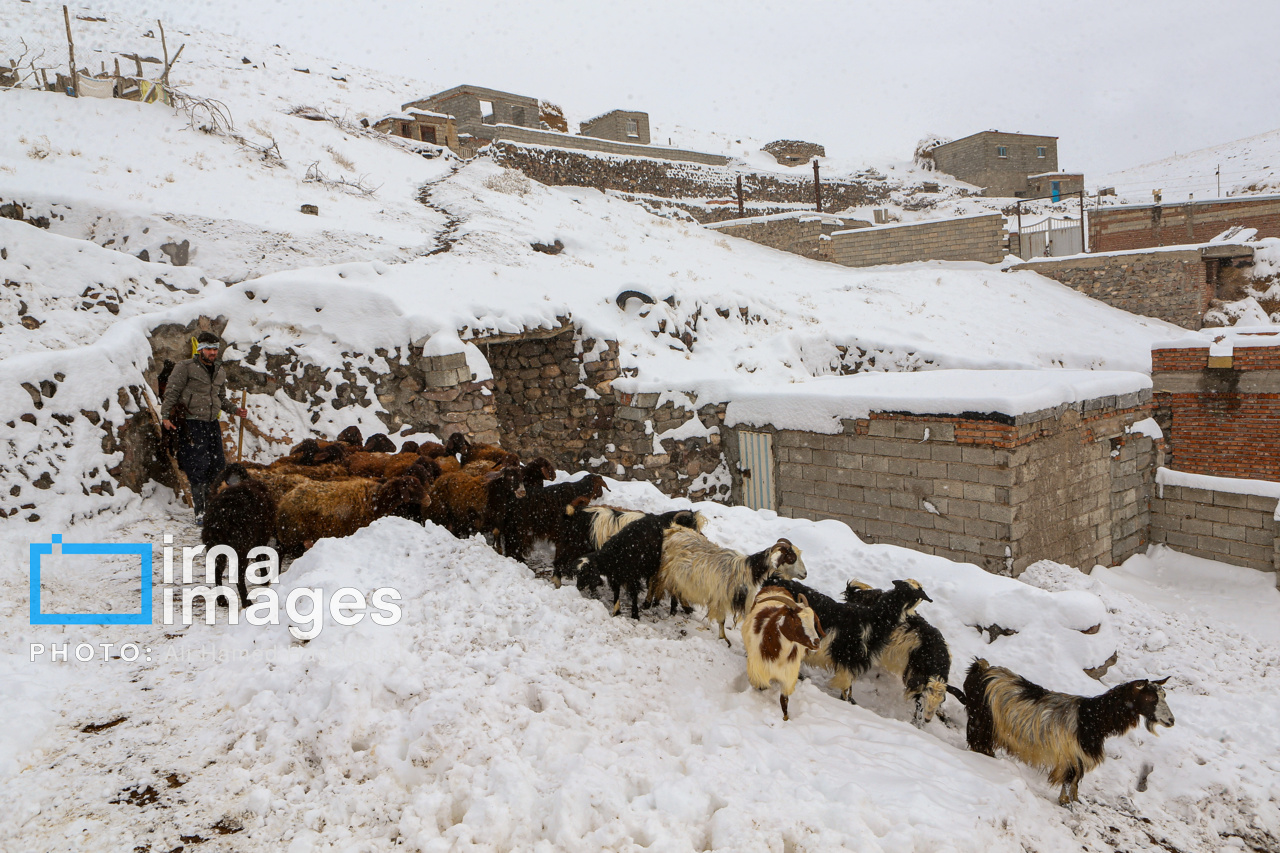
(1223, 420)
(1140, 227)
(1231, 528)
(1172, 286)
(1001, 492)
(799, 233)
(970, 238)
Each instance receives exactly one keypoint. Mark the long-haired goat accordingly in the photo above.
(241, 514)
(1057, 732)
(916, 652)
(632, 557)
(697, 571)
(539, 515)
(856, 633)
(777, 631)
(585, 529)
(339, 508)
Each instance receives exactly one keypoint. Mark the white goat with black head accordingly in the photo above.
(697, 571)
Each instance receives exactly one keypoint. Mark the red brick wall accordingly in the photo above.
(1214, 428)
(1121, 229)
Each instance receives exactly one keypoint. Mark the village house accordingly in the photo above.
(618, 125)
(1003, 164)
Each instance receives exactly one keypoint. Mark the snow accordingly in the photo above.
(1147, 427)
(1231, 485)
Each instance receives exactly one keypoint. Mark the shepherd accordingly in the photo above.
(198, 385)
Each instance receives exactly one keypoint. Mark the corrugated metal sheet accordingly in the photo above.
(756, 452)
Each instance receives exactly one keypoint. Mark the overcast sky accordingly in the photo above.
(1120, 82)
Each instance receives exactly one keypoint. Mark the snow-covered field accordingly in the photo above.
(499, 713)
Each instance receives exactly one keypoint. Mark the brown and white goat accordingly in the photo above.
(1057, 732)
(777, 631)
(697, 571)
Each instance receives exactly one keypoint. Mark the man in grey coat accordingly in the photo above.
(199, 386)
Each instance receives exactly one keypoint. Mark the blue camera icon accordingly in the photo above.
(143, 551)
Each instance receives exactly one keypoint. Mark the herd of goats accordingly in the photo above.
(333, 488)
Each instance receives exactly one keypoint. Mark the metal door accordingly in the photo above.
(755, 464)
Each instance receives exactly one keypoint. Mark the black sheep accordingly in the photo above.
(632, 557)
(856, 633)
(241, 514)
(379, 443)
(916, 652)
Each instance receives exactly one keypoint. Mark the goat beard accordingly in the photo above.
(1152, 723)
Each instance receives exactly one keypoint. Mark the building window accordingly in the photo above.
(633, 129)
(1002, 151)
(1041, 151)
(486, 112)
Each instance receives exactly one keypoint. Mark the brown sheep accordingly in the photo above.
(379, 443)
(461, 502)
(352, 436)
(317, 451)
(339, 508)
(363, 463)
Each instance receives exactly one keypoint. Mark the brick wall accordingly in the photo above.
(969, 238)
(646, 179)
(799, 233)
(998, 491)
(974, 159)
(1138, 227)
(1221, 420)
(1232, 528)
(1172, 285)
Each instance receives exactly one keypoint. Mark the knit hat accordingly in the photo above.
(207, 339)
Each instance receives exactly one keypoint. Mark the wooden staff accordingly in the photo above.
(244, 398)
(184, 488)
(71, 49)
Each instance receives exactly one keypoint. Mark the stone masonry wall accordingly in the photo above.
(799, 233)
(1139, 227)
(1233, 528)
(970, 238)
(999, 492)
(1170, 286)
(509, 135)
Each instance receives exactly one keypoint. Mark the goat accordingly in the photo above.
(916, 652)
(777, 630)
(351, 436)
(1056, 732)
(856, 633)
(697, 571)
(584, 529)
(242, 514)
(538, 516)
(338, 508)
(632, 557)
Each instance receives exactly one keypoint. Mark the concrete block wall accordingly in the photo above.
(1001, 492)
(1231, 528)
(1169, 285)
(1113, 229)
(969, 238)
(613, 125)
(799, 233)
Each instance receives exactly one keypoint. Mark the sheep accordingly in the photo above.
(379, 442)
(468, 452)
(465, 504)
(632, 557)
(916, 652)
(351, 436)
(409, 447)
(339, 508)
(777, 631)
(241, 513)
(584, 529)
(856, 633)
(372, 463)
(313, 451)
(539, 515)
(1057, 732)
(697, 571)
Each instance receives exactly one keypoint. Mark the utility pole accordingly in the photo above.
(741, 212)
(817, 186)
(1218, 173)
(1084, 243)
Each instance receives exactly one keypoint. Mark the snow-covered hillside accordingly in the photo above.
(500, 713)
(1244, 167)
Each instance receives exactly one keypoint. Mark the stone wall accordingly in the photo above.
(1233, 528)
(645, 179)
(974, 159)
(1113, 229)
(1220, 414)
(998, 491)
(798, 233)
(527, 136)
(968, 238)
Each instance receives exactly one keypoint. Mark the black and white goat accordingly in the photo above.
(697, 571)
(632, 557)
(1057, 732)
(856, 633)
(916, 652)
(584, 529)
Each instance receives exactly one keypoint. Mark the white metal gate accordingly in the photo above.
(1052, 238)
(755, 463)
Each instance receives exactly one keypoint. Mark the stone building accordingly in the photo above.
(1000, 163)
(421, 125)
(619, 126)
(476, 108)
(793, 152)
(1054, 185)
